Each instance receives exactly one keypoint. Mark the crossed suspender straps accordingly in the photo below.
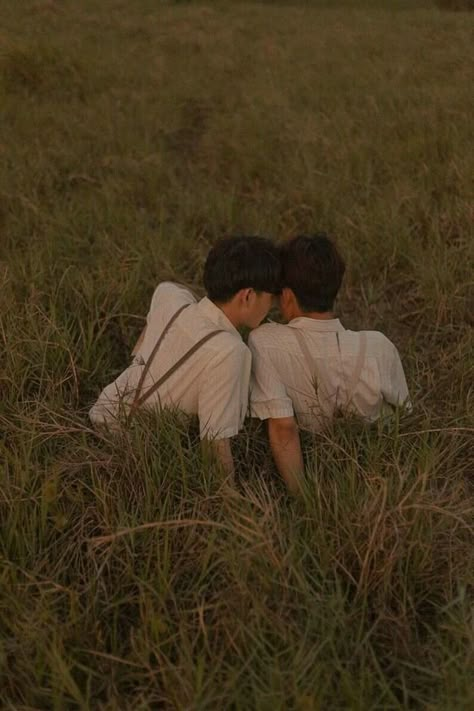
(313, 362)
(140, 397)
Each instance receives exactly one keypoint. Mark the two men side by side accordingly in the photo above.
(303, 373)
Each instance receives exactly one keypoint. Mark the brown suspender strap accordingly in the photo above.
(358, 366)
(304, 347)
(138, 402)
(153, 354)
(311, 361)
(313, 367)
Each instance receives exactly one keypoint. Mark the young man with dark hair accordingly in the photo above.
(191, 355)
(310, 370)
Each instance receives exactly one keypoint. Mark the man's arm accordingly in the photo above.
(270, 401)
(286, 449)
(222, 402)
(220, 449)
(165, 293)
(393, 381)
(138, 344)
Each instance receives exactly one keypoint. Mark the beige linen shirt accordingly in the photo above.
(213, 383)
(284, 384)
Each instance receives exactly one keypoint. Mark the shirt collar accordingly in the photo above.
(320, 325)
(218, 317)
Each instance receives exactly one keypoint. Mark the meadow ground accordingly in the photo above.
(133, 134)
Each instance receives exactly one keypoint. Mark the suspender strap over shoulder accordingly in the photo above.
(310, 360)
(358, 366)
(313, 362)
(140, 399)
(154, 352)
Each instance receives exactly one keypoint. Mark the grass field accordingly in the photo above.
(132, 135)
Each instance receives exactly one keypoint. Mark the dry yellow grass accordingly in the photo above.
(132, 136)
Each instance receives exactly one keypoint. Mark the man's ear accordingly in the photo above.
(245, 295)
(286, 296)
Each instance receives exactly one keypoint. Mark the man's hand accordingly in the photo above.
(286, 449)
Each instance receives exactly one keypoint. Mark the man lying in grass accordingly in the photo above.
(312, 369)
(191, 355)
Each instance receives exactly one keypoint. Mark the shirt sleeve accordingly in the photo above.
(394, 384)
(167, 299)
(223, 394)
(169, 293)
(268, 396)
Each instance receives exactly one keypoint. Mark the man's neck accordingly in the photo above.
(230, 311)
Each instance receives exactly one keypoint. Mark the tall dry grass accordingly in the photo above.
(133, 135)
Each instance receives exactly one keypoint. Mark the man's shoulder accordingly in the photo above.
(230, 344)
(169, 296)
(173, 288)
(377, 342)
(226, 352)
(267, 333)
(224, 344)
(170, 290)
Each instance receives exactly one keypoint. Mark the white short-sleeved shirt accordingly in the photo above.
(284, 384)
(213, 383)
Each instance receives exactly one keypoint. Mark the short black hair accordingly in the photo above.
(242, 262)
(312, 268)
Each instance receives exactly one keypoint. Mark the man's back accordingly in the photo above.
(214, 376)
(315, 368)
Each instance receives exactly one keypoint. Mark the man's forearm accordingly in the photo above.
(286, 449)
(224, 455)
(138, 344)
(221, 450)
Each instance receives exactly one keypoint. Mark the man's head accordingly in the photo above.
(241, 275)
(312, 272)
